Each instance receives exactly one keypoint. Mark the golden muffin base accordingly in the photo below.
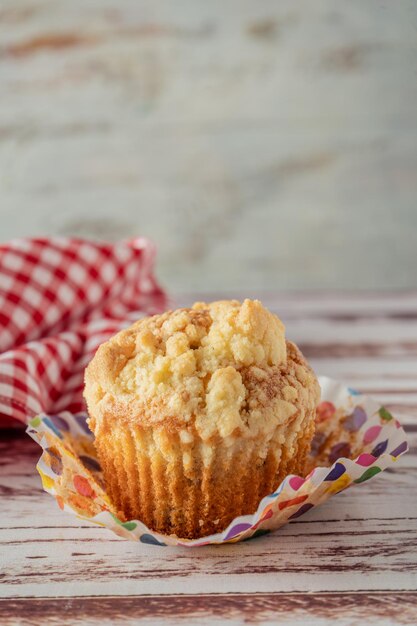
(178, 488)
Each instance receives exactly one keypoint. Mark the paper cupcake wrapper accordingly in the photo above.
(356, 439)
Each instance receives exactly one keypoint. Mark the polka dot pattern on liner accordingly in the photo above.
(356, 439)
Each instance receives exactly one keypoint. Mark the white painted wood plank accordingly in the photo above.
(262, 145)
(304, 303)
(282, 563)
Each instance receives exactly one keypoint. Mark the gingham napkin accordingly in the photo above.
(59, 299)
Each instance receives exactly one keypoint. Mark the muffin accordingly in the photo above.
(198, 414)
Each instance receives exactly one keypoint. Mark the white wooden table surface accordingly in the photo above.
(351, 561)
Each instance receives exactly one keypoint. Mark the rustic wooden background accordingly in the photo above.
(260, 144)
(350, 562)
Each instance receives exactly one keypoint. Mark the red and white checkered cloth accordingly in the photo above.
(59, 299)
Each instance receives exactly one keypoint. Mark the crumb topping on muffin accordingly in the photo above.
(222, 368)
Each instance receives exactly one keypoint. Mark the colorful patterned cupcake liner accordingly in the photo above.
(356, 439)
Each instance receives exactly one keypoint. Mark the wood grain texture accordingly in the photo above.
(260, 144)
(350, 561)
(265, 608)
